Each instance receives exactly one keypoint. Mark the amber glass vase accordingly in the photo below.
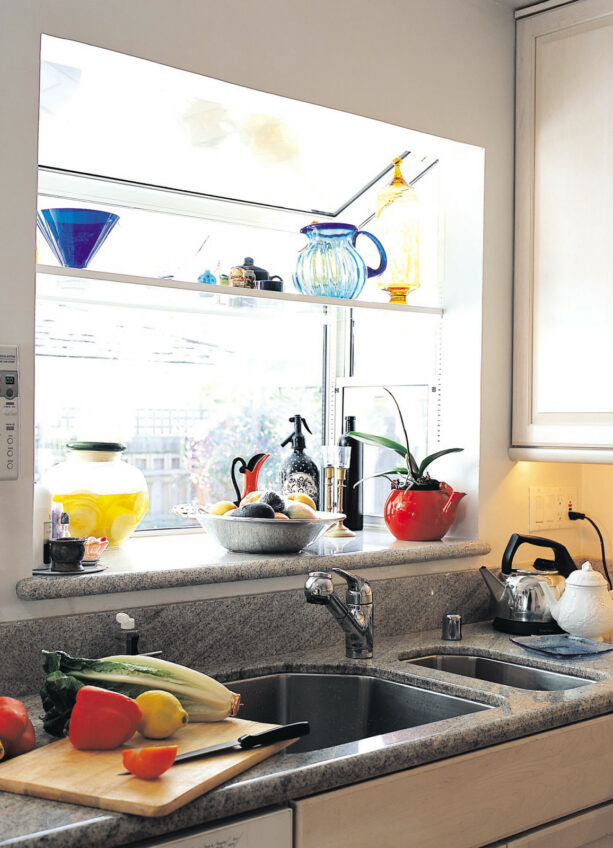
(397, 212)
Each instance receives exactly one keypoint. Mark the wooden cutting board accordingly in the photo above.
(61, 773)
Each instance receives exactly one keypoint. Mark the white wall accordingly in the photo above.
(444, 67)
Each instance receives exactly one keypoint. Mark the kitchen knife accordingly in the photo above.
(247, 742)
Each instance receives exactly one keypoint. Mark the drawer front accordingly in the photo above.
(592, 829)
(271, 829)
(468, 801)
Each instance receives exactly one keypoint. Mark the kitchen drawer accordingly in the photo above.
(592, 829)
(270, 829)
(471, 800)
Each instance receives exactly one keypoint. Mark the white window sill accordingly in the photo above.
(193, 559)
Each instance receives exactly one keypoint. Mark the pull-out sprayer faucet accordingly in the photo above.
(355, 615)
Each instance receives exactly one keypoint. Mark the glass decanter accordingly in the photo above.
(397, 211)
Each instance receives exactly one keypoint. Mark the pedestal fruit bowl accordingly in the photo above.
(253, 535)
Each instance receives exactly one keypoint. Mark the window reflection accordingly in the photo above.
(186, 389)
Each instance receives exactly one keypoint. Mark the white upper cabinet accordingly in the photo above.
(563, 319)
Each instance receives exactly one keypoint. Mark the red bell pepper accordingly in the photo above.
(149, 762)
(16, 729)
(102, 720)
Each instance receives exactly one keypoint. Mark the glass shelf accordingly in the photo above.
(203, 288)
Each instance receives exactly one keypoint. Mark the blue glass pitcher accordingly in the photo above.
(330, 265)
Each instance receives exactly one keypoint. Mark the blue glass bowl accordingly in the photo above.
(75, 235)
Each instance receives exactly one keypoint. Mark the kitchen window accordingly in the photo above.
(203, 173)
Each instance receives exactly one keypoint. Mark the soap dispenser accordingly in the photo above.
(299, 474)
(128, 635)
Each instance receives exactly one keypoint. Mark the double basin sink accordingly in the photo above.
(346, 708)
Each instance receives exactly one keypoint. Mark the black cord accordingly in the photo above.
(604, 561)
(574, 516)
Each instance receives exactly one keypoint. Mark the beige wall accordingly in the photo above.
(444, 67)
(597, 502)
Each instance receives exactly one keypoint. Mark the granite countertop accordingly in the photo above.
(152, 562)
(33, 822)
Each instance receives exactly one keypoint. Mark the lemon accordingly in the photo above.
(302, 497)
(221, 507)
(119, 523)
(162, 714)
(84, 511)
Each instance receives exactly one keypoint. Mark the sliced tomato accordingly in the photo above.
(149, 762)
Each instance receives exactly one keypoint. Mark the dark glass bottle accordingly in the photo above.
(353, 496)
(298, 472)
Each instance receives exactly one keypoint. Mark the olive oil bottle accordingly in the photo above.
(352, 500)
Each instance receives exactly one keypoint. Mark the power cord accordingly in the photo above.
(581, 516)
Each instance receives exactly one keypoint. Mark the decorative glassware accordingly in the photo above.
(341, 462)
(330, 265)
(102, 495)
(75, 235)
(397, 211)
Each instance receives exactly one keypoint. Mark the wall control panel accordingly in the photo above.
(9, 412)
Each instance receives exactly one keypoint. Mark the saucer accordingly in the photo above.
(90, 567)
(562, 646)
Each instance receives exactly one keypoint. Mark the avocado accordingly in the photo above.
(274, 500)
(254, 510)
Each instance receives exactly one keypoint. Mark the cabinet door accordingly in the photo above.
(563, 342)
(593, 829)
(468, 801)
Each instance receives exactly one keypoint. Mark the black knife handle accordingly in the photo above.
(277, 734)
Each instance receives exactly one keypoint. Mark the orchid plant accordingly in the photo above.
(411, 475)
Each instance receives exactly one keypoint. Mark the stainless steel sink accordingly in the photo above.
(344, 708)
(498, 671)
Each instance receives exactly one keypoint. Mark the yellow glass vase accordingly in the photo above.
(397, 212)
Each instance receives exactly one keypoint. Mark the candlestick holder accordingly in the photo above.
(329, 461)
(342, 456)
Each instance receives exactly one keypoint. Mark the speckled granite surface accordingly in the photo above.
(235, 629)
(31, 822)
(151, 563)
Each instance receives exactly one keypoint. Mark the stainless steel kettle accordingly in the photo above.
(520, 604)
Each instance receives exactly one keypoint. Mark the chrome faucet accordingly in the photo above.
(355, 616)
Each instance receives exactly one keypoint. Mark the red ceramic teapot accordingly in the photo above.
(421, 516)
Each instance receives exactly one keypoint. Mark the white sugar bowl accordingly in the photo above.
(585, 607)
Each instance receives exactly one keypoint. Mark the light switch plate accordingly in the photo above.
(549, 507)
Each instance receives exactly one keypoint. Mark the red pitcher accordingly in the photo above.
(251, 470)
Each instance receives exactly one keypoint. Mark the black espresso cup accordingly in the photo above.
(67, 554)
(274, 283)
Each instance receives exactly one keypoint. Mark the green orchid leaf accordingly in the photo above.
(402, 424)
(379, 442)
(382, 442)
(415, 471)
(398, 470)
(426, 462)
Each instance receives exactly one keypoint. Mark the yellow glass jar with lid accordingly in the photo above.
(397, 213)
(103, 495)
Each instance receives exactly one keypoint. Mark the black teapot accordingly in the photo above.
(260, 273)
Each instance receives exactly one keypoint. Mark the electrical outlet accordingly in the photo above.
(549, 507)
